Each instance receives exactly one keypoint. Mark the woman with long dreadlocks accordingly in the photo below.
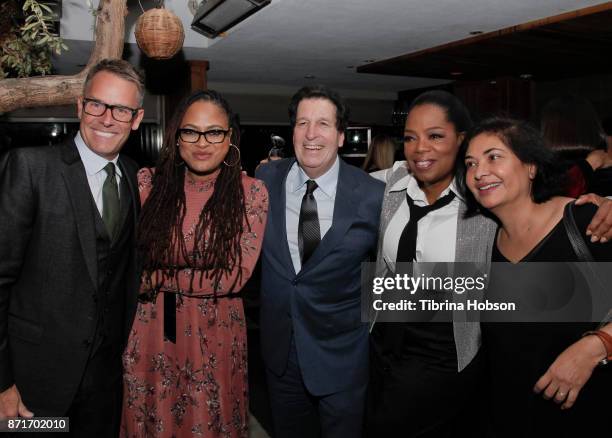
(200, 234)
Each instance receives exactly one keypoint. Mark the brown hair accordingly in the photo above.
(381, 153)
(570, 125)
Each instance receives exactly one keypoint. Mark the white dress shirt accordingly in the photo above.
(94, 168)
(437, 231)
(325, 195)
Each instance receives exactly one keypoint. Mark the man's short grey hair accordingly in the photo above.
(121, 68)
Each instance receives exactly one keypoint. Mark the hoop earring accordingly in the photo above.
(235, 162)
(181, 162)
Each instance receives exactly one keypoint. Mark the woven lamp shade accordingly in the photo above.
(159, 33)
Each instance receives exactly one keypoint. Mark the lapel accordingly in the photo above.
(475, 238)
(392, 201)
(277, 204)
(79, 195)
(345, 209)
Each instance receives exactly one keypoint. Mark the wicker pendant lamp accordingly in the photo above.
(159, 33)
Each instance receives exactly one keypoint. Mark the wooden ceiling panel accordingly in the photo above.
(573, 44)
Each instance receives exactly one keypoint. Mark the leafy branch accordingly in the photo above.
(28, 45)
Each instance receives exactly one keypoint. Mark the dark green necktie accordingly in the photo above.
(110, 201)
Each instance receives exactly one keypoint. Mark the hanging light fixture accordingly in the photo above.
(159, 33)
(216, 16)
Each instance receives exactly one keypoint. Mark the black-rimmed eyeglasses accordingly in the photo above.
(211, 136)
(97, 108)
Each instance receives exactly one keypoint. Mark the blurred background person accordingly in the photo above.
(380, 154)
(200, 235)
(277, 151)
(571, 127)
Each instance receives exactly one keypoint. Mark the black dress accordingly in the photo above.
(518, 354)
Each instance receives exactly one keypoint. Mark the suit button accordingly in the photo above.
(94, 297)
(87, 342)
(294, 282)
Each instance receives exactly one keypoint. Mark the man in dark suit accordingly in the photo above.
(68, 275)
(322, 223)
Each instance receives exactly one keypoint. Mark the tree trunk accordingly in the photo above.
(60, 90)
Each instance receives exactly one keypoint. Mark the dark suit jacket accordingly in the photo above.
(48, 273)
(320, 305)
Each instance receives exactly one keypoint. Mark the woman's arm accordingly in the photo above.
(600, 228)
(572, 369)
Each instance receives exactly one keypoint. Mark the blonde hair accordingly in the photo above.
(381, 153)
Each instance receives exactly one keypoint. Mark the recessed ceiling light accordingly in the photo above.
(456, 73)
(309, 76)
(526, 76)
(476, 32)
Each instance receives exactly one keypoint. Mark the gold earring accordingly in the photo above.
(237, 160)
(532, 173)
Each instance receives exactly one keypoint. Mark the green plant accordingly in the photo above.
(28, 41)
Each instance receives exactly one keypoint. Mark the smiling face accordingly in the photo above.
(104, 135)
(495, 175)
(431, 144)
(315, 136)
(202, 157)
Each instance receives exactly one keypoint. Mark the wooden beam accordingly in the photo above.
(198, 75)
(61, 90)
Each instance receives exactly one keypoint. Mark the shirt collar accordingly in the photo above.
(93, 162)
(327, 182)
(410, 184)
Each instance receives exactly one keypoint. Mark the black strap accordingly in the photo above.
(170, 317)
(580, 247)
(582, 250)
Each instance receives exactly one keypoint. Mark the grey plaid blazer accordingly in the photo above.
(475, 237)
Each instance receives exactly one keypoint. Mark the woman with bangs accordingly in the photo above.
(511, 174)
(571, 127)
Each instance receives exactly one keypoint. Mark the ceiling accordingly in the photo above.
(272, 51)
(565, 46)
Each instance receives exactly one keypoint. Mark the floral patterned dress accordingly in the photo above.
(198, 385)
